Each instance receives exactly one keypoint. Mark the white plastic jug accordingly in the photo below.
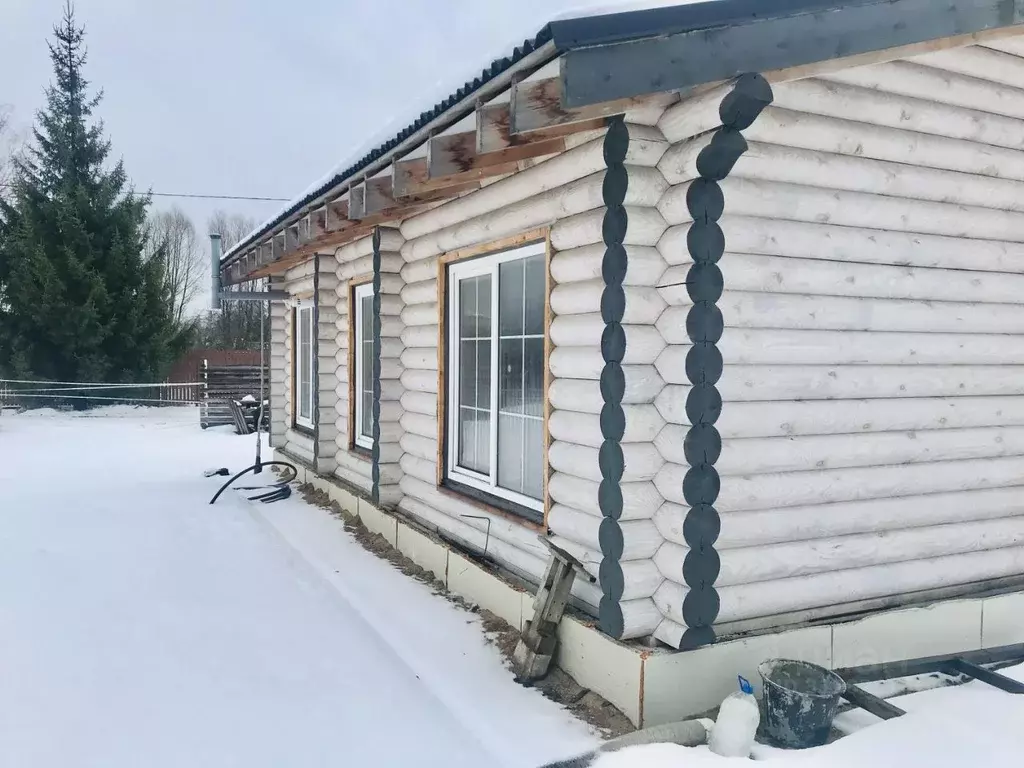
(736, 726)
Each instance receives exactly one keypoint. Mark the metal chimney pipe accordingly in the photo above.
(215, 271)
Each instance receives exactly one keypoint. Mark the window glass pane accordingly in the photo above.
(468, 308)
(468, 380)
(366, 422)
(305, 367)
(475, 439)
(483, 374)
(510, 288)
(510, 383)
(367, 318)
(511, 452)
(483, 306)
(533, 377)
(535, 290)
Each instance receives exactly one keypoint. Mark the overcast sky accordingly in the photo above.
(251, 98)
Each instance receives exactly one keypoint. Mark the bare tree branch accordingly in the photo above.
(172, 236)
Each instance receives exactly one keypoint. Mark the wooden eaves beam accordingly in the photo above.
(767, 43)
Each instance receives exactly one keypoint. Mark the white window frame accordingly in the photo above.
(362, 376)
(304, 314)
(457, 272)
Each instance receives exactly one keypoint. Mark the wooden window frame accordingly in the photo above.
(531, 514)
(299, 421)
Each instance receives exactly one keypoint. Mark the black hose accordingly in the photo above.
(256, 469)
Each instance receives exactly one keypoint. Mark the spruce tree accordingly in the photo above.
(78, 302)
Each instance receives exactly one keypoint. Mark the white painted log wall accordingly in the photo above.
(565, 193)
(874, 343)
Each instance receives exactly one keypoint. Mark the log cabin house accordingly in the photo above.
(725, 299)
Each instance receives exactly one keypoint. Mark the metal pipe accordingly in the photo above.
(214, 271)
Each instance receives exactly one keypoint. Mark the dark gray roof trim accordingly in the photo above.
(618, 55)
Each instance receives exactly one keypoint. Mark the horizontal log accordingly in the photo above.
(795, 202)
(773, 274)
(644, 265)
(641, 461)
(838, 417)
(560, 171)
(639, 618)
(643, 303)
(646, 186)
(587, 362)
(420, 402)
(499, 527)
(639, 537)
(798, 382)
(787, 164)
(860, 139)
(833, 589)
(907, 78)
(761, 455)
(803, 523)
(801, 347)
(804, 240)
(642, 384)
(420, 447)
(877, 107)
(639, 500)
(524, 564)
(421, 469)
(842, 313)
(780, 561)
(978, 61)
(645, 228)
(418, 271)
(695, 114)
(420, 337)
(643, 423)
(420, 314)
(390, 240)
(423, 292)
(792, 489)
(420, 381)
(420, 424)
(421, 359)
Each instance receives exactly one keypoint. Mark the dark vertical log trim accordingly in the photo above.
(613, 382)
(375, 455)
(315, 372)
(704, 326)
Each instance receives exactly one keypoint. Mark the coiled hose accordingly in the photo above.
(256, 469)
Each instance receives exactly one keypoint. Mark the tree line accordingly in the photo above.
(95, 285)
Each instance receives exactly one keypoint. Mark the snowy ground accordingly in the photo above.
(140, 626)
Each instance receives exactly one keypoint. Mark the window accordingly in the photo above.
(496, 380)
(304, 365)
(362, 429)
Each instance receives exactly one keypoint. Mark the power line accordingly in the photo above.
(201, 197)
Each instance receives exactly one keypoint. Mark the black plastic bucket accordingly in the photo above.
(800, 702)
